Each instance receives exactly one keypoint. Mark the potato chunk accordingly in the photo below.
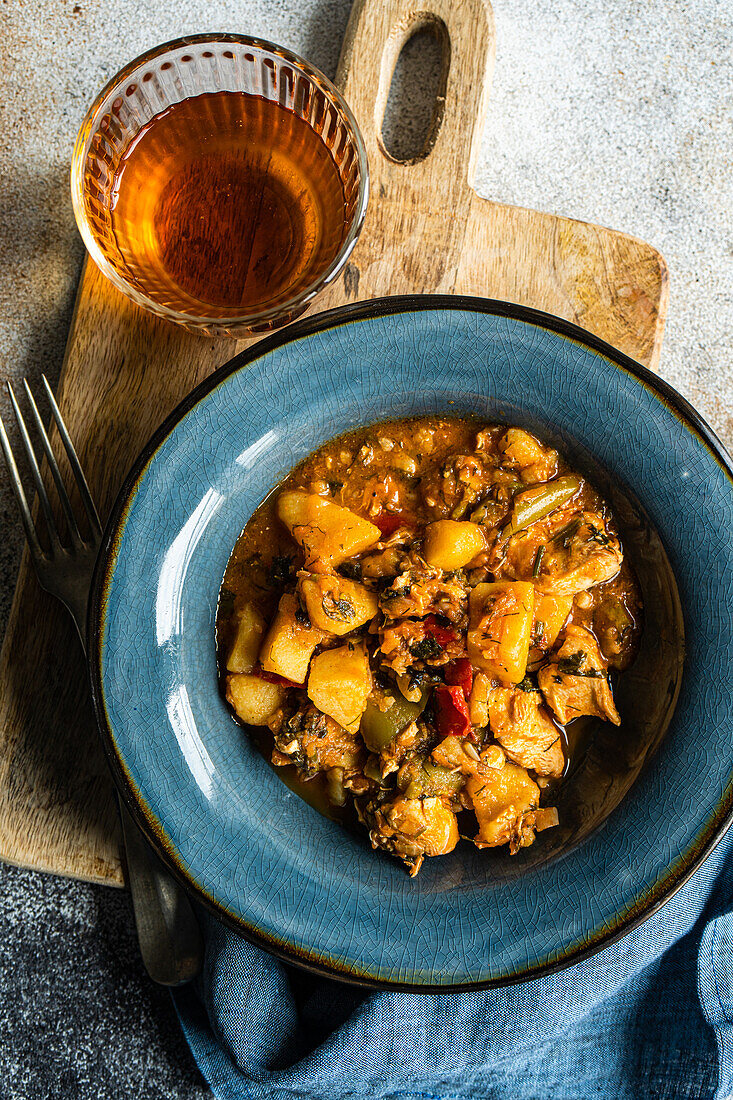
(500, 628)
(450, 544)
(328, 533)
(248, 639)
(255, 700)
(340, 683)
(478, 700)
(288, 646)
(502, 795)
(501, 798)
(336, 604)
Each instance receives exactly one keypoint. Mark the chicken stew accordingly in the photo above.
(412, 619)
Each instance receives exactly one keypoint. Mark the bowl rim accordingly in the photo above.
(680, 870)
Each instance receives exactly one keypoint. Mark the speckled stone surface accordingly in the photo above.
(615, 113)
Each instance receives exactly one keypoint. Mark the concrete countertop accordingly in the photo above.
(612, 112)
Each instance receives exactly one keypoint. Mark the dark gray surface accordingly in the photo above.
(78, 1016)
(613, 112)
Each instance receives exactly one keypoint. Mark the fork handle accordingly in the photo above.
(167, 930)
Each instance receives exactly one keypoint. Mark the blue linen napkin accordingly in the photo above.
(649, 1017)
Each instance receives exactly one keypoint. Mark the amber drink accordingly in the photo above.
(229, 208)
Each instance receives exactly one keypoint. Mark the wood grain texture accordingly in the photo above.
(426, 231)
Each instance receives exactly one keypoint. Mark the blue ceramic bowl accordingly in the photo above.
(642, 808)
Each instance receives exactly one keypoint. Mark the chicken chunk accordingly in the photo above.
(422, 590)
(417, 644)
(410, 828)
(580, 555)
(575, 682)
(389, 557)
(521, 451)
(384, 492)
(313, 743)
(415, 738)
(384, 563)
(451, 490)
(487, 439)
(563, 554)
(501, 794)
(525, 730)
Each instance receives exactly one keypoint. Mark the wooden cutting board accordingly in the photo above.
(426, 230)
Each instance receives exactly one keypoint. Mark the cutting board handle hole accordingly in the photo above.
(414, 89)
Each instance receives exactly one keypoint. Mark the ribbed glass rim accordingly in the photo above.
(115, 86)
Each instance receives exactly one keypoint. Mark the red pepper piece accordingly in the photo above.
(460, 674)
(451, 711)
(388, 522)
(442, 634)
(275, 678)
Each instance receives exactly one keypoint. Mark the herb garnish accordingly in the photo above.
(527, 684)
(538, 560)
(302, 617)
(281, 570)
(427, 648)
(596, 535)
(340, 610)
(416, 677)
(564, 536)
(396, 593)
(572, 666)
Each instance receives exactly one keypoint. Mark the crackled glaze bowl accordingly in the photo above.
(642, 806)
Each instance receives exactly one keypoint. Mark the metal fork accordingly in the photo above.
(167, 929)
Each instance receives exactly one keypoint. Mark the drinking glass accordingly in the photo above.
(195, 69)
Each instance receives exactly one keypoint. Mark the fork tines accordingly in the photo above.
(78, 541)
